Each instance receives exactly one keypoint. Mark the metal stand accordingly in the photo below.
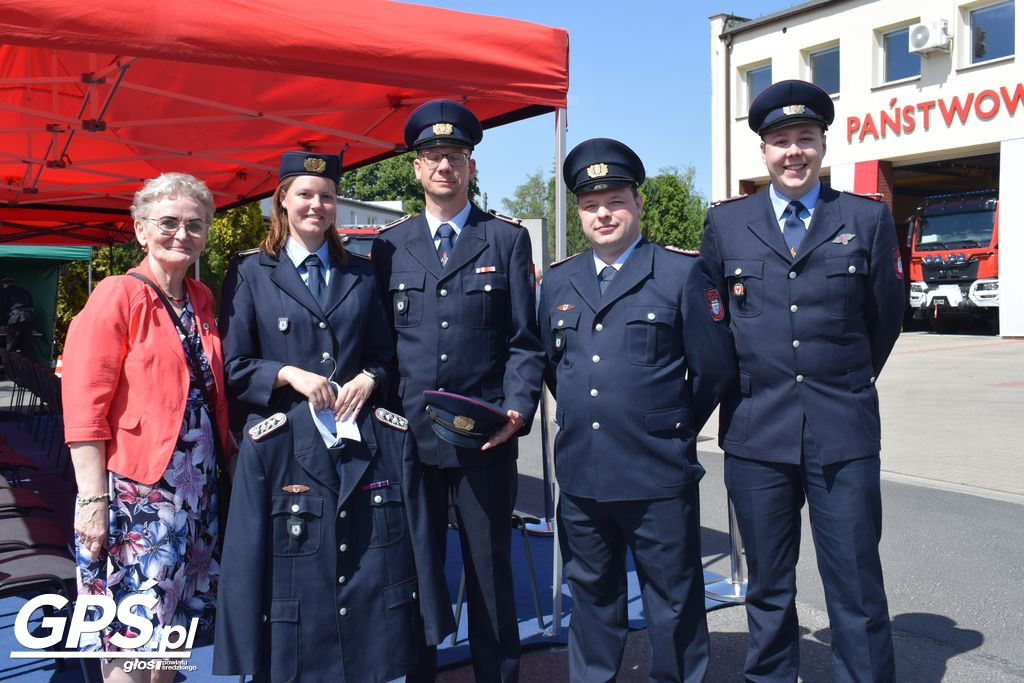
(733, 589)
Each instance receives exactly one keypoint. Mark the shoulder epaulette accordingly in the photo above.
(358, 255)
(397, 221)
(249, 252)
(268, 426)
(729, 199)
(393, 420)
(876, 196)
(507, 219)
(685, 252)
(565, 260)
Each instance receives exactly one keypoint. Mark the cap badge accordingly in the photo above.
(443, 129)
(791, 109)
(597, 170)
(464, 423)
(314, 165)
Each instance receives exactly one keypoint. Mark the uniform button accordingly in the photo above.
(596, 425)
(342, 515)
(401, 286)
(343, 611)
(852, 269)
(596, 358)
(443, 292)
(872, 380)
(738, 271)
(414, 595)
(377, 499)
(444, 357)
(325, 355)
(799, 378)
(593, 392)
(487, 288)
(444, 324)
(295, 508)
(440, 388)
(341, 579)
(561, 322)
(323, 325)
(650, 316)
(792, 275)
(679, 425)
(263, 617)
(599, 327)
(343, 547)
(796, 343)
(794, 308)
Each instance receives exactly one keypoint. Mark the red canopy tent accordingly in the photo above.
(98, 95)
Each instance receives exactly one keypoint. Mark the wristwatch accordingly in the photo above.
(372, 374)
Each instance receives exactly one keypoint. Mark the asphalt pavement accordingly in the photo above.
(953, 540)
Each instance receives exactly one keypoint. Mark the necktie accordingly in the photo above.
(314, 280)
(605, 277)
(444, 249)
(793, 229)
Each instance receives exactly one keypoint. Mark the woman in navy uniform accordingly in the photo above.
(301, 300)
(329, 573)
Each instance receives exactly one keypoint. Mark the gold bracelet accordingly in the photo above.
(82, 502)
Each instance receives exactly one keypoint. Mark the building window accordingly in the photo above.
(899, 61)
(352, 220)
(371, 220)
(992, 32)
(758, 79)
(825, 69)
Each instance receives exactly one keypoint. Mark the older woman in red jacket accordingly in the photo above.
(141, 428)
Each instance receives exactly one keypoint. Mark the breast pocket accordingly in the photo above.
(746, 286)
(297, 523)
(652, 334)
(846, 282)
(406, 291)
(563, 335)
(388, 514)
(486, 298)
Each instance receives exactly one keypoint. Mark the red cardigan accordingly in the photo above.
(126, 378)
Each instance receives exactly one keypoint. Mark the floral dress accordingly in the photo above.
(163, 538)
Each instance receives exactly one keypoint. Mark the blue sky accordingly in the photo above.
(638, 72)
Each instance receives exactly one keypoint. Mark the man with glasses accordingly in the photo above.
(461, 300)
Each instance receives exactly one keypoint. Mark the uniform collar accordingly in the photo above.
(780, 202)
(458, 221)
(298, 253)
(617, 264)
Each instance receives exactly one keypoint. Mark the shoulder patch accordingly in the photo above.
(876, 196)
(565, 260)
(249, 252)
(397, 221)
(268, 426)
(393, 420)
(507, 219)
(684, 252)
(729, 199)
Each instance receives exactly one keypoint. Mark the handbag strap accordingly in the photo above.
(193, 362)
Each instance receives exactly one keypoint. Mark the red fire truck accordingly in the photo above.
(358, 240)
(954, 259)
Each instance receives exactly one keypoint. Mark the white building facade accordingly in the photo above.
(929, 99)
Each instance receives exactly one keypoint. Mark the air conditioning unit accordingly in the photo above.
(930, 36)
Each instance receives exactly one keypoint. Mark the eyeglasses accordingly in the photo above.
(169, 225)
(455, 159)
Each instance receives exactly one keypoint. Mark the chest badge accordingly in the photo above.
(565, 307)
(295, 488)
(844, 239)
(739, 290)
(401, 303)
(296, 527)
(282, 324)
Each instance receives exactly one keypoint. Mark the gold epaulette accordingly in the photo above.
(507, 219)
(717, 202)
(397, 221)
(249, 252)
(393, 420)
(565, 260)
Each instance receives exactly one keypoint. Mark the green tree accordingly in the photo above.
(535, 198)
(390, 179)
(232, 231)
(673, 209)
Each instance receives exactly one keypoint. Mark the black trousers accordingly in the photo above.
(664, 537)
(845, 508)
(483, 499)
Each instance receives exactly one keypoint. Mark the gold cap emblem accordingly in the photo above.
(463, 422)
(314, 165)
(791, 109)
(597, 170)
(443, 129)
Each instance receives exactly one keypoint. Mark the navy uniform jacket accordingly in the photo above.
(269, 319)
(812, 333)
(627, 414)
(469, 328)
(284, 613)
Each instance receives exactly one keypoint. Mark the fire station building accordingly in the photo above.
(929, 99)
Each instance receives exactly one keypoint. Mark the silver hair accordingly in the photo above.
(171, 186)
